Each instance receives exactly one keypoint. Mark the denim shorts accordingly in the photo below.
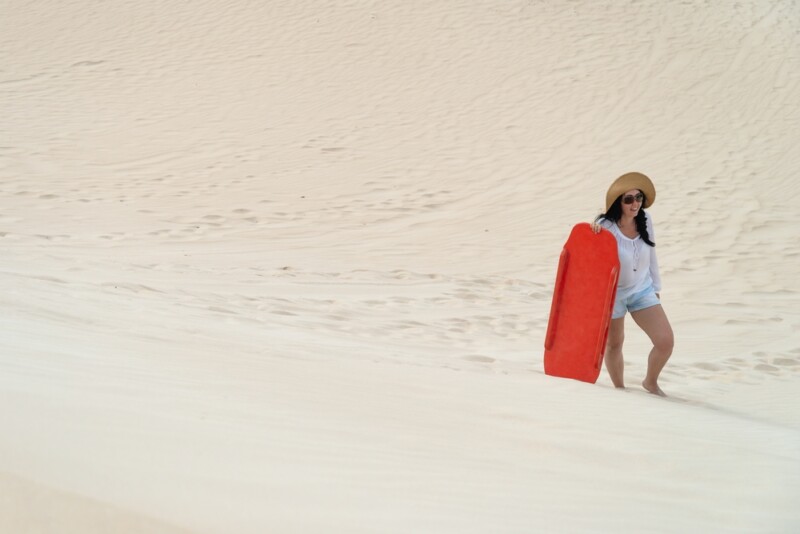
(645, 298)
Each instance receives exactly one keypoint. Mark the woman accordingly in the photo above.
(639, 286)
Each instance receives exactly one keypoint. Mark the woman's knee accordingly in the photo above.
(615, 342)
(664, 341)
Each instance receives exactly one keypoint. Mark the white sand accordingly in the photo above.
(288, 268)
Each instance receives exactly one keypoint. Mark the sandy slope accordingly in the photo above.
(288, 267)
(33, 508)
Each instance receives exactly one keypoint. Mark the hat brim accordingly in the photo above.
(631, 180)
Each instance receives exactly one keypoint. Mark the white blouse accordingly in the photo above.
(638, 265)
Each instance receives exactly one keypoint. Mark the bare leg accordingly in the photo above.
(655, 324)
(615, 365)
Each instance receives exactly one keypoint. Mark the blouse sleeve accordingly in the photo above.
(654, 272)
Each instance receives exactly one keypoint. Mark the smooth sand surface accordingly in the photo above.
(287, 266)
(33, 508)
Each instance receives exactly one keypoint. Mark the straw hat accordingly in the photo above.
(631, 180)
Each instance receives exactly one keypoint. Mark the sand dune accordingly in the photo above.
(288, 267)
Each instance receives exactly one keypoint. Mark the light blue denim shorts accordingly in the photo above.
(645, 298)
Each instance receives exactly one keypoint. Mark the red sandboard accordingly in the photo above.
(583, 299)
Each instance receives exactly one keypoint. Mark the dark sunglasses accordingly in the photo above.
(628, 199)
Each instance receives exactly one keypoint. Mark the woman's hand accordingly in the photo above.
(596, 227)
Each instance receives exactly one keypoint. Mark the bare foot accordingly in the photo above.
(654, 389)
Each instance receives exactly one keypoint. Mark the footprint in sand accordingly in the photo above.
(479, 358)
(767, 368)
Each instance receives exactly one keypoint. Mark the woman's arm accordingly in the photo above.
(654, 272)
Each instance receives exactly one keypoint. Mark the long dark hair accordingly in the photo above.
(614, 214)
